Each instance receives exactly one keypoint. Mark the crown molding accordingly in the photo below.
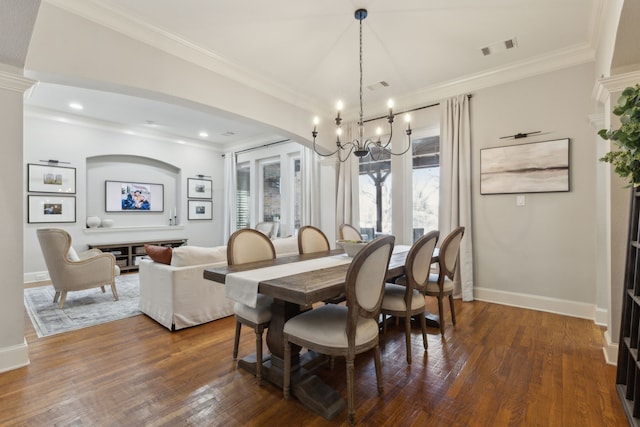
(15, 82)
(604, 87)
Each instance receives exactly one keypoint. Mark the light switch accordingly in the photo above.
(520, 200)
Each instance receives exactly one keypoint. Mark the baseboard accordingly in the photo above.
(37, 276)
(534, 302)
(14, 357)
(601, 318)
(610, 349)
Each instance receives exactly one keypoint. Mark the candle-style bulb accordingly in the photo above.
(390, 105)
(407, 118)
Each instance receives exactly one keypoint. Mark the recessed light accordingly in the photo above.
(75, 106)
(203, 134)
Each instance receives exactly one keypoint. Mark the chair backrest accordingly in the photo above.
(448, 256)
(365, 281)
(266, 228)
(348, 232)
(312, 239)
(248, 245)
(55, 244)
(418, 263)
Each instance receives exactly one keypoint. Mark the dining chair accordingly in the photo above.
(339, 330)
(311, 239)
(266, 228)
(441, 284)
(248, 245)
(348, 232)
(405, 297)
(70, 271)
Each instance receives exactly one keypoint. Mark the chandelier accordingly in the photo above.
(362, 146)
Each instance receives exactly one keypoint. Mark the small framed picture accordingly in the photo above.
(199, 188)
(51, 179)
(200, 209)
(51, 209)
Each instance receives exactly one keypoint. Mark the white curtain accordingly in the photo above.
(455, 186)
(348, 202)
(310, 188)
(229, 197)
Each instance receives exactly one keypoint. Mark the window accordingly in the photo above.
(375, 196)
(271, 191)
(426, 185)
(243, 194)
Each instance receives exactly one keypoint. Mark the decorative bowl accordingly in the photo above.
(351, 247)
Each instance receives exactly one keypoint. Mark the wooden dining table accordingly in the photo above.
(291, 295)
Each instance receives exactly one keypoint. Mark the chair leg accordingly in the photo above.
(407, 333)
(351, 411)
(441, 312)
(56, 296)
(259, 353)
(63, 298)
(287, 369)
(102, 288)
(377, 362)
(384, 323)
(423, 326)
(114, 291)
(236, 341)
(453, 311)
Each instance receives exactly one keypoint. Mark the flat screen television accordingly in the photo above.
(127, 196)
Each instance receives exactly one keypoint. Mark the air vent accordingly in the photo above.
(379, 85)
(499, 46)
(228, 133)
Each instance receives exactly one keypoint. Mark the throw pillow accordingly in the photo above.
(72, 255)
(161, 254)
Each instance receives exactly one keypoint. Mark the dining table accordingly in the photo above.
(293, 294)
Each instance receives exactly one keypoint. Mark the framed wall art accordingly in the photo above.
(536, 167)
(52, 208)
(51, 179)
(200, 209)
(126, 196)
(199, 188)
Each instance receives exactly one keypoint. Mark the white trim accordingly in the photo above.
(610, 349)
(133, 228)
(15, 82)
(14, 357)
(36, 276)
(605, 86)
(601, 317)
(536, 302)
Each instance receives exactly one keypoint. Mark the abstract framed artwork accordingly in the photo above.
(199, 188)
(200, 210)
(51, 179)
(44, 209)
(536, 167)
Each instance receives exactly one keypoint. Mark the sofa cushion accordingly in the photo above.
(161, 254)
(195, 255)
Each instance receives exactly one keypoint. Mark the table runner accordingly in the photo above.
(242, 287)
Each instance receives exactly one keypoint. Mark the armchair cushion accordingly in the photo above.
(161, 254)
(72, 254)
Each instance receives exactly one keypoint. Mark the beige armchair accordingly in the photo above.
(72, 272)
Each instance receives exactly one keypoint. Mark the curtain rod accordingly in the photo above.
(409, 111)
(260, 146)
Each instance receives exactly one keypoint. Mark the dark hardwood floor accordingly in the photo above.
(501, 366)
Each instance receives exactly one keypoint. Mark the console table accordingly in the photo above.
(128, 255)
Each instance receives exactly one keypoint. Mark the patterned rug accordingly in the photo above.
(82, 308)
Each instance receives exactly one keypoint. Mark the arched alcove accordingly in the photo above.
(132, 169)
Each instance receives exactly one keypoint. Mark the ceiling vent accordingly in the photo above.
(499, 46)
(228, 133)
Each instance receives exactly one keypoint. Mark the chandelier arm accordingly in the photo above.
(388, 150)
(322, 154)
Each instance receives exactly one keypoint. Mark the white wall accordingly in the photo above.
(127, 157)
(547, 248)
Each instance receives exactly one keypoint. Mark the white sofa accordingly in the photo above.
(177, 296)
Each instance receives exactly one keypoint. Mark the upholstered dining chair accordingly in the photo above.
(348, 232)
(405, 299)
(441, 284)
(338, 330)
(70, 271)
(266, 228)
(311, 239)
(248, 245)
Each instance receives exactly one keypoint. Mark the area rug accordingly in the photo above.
(82, 308)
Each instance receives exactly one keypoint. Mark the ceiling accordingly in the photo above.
(308, 52)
